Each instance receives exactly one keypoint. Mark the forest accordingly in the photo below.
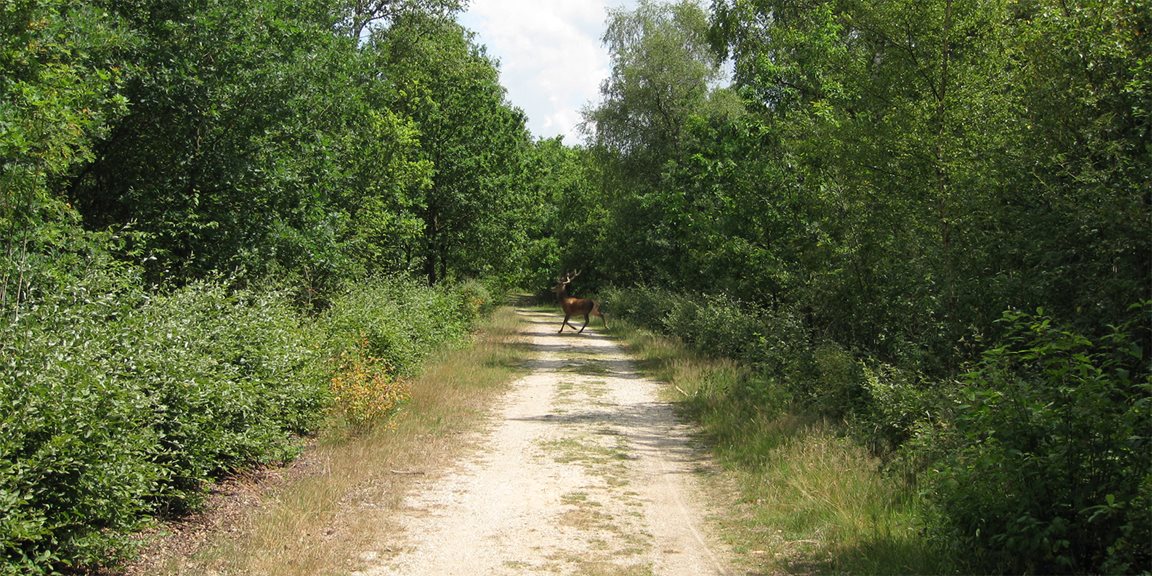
(225, 223)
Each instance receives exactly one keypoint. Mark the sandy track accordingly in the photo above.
(582, 471)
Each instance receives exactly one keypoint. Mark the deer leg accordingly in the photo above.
(596, 311)
(585, 324)
(566, 316)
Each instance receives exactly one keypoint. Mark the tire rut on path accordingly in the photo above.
(582, 471)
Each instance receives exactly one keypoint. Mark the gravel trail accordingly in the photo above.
(581, 471)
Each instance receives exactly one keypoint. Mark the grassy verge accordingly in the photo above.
(333, 518)
(805, 499)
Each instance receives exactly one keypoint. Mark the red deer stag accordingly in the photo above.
(573, 305)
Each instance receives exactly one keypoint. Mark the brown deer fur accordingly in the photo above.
(572, 305)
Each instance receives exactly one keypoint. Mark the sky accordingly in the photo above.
(551, 58)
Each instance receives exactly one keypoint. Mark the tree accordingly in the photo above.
(661, 72)
(661, 77)
(259, 142)
(361, 15)
(571, 217)
(60, 92)
(1076, 202)
(886, 181)
(474, 141)
(903, 124)
(202, 165)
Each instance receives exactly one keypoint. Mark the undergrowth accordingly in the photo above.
(1034, 460)
(120, 405)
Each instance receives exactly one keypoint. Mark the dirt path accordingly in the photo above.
(582, 471)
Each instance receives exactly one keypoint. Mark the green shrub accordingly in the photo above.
(776, 343)
(1046, 464)
(75, 444)
(896, 404)
(714, 325)
(476, 300)
(399, 320)
(116, 406)
(644, 306)
(231, 376)
(837, 388)
(783, 349)
(1039, 460)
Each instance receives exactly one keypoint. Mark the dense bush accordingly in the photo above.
(230, 377)
(775, 343)
(1039, 460)
(401, 320)
(1046, 466)
(382, 329)
(643, 305)
(718, 326)
(118, 405)
(897, 404)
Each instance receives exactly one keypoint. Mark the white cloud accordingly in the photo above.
(551, 59)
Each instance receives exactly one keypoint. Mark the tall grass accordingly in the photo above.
(809, 499)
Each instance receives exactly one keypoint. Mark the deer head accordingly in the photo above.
(562, 282)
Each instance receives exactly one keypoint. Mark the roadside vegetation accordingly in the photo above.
(842, 466)
(225, 227)
(125, 409)
(799, 494)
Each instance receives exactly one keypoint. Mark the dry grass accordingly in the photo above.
(326, 521)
